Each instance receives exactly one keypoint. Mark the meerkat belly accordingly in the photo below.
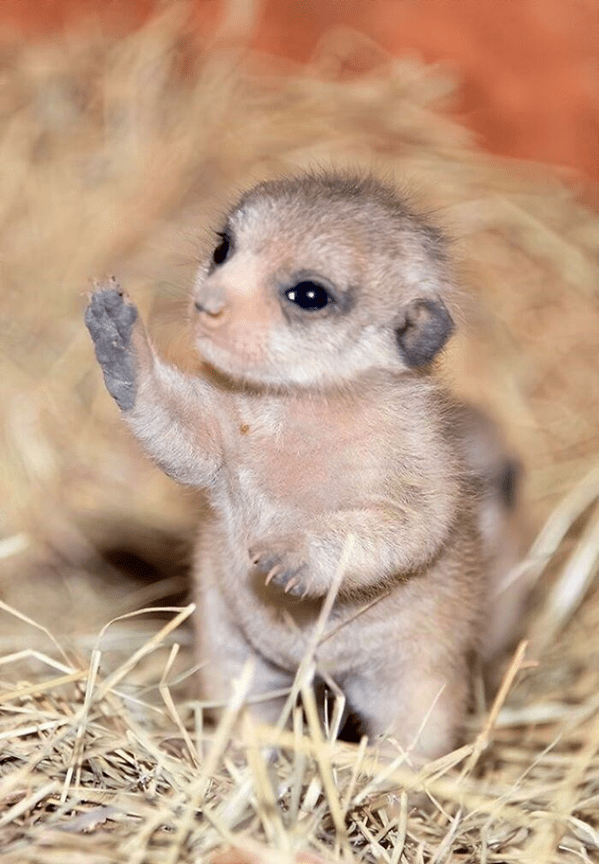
(309, 482)
(287, 466)
(305, 459)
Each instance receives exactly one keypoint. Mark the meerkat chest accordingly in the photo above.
(315, 455)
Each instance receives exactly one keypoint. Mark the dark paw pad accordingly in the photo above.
(110, 319)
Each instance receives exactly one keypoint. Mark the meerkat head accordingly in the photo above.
(317, 279)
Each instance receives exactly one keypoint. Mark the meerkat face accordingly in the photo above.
(318, 279)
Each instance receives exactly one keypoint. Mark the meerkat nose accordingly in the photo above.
(212, 306)
(211, 316)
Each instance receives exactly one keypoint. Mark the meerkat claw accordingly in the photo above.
(275, 571)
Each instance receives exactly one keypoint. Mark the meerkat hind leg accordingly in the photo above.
(420, 709)
(221, 667)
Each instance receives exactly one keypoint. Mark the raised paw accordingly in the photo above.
(110, 319)
(282, 565)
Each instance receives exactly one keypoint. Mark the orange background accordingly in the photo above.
(530, 68)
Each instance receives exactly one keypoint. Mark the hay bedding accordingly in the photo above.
(116, 156)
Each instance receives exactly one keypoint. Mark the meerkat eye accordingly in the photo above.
(309, 295)
(221, 253)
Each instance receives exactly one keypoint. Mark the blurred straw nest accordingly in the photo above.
(117, 155)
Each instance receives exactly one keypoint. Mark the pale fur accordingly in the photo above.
(314, 425)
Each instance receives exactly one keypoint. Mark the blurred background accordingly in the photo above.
(527, 71)
(126, 128)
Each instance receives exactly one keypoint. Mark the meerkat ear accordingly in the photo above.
(426, 327)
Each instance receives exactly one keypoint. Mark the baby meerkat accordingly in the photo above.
(318, 316)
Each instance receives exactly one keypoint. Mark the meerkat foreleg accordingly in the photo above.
(173, 416)
(388, 541)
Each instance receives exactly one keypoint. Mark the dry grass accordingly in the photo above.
(114, 156)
